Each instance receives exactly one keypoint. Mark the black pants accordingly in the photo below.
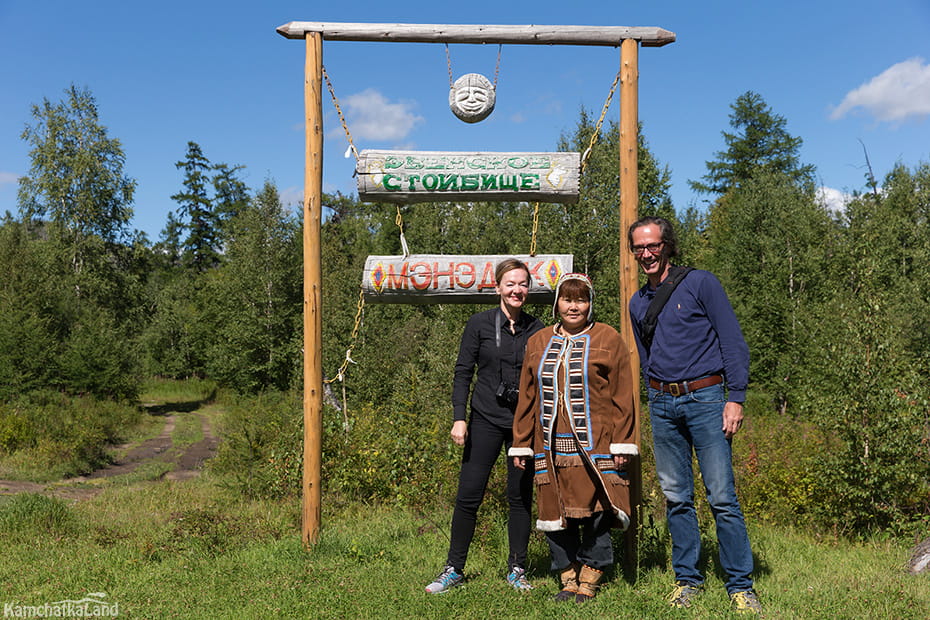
(586, 541)
(482, 447)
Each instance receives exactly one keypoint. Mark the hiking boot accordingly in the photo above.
(588, 580)
(746, 602)
(447, 579)
(569, 578)
(517, 579)
(684, 593)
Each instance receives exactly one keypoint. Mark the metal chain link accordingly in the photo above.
(399, 220)
(600, 122)
(360, 307)
(449, 64)
(497, 68)
(535, 228)
(345, 126)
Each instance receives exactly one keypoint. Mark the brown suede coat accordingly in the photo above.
(575, 412)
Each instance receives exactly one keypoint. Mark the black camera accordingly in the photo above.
(507, 393)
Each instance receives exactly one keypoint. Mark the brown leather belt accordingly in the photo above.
(683, 387)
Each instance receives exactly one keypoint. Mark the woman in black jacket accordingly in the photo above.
(493, 343)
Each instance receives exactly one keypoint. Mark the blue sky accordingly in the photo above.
(844, 75)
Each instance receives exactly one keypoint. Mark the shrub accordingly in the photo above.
(261, 448)
(31, 514)
(381, 455)
(62, 434)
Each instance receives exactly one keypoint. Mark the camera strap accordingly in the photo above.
(497, 338)
(663, 292)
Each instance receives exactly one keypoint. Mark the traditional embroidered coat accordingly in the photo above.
(575, 412)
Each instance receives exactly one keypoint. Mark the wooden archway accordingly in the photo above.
(628, 39)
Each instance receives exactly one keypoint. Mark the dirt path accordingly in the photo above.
(187, 463)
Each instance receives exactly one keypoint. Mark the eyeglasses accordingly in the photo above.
(639, 250)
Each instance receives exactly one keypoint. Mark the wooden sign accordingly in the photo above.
(434, 278)
(432, 176)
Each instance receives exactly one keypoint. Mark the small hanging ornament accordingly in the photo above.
(472, 96)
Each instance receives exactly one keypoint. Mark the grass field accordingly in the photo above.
(192, 549)
(157, 547)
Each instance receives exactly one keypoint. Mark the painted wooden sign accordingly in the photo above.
(434, 278)
(433, 176)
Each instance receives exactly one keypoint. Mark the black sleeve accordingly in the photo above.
(465, 368)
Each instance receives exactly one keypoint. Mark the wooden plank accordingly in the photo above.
(436, 278)
(613, 36)
(435, 176)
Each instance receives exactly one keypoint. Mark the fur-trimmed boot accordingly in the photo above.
(588, 580)
(569, 578)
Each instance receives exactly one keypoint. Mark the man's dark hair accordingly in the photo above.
(669, 238)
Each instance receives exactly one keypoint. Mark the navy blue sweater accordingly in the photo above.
(697, 335)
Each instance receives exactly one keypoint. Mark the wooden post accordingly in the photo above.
(629, 207)
(313, 278)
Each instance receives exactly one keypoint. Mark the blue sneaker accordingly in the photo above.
(447, 579)
(517, 579)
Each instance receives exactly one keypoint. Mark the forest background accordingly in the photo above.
(833, 306)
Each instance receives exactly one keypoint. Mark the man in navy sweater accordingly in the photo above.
(696, 369)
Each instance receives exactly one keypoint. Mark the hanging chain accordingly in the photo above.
(360, 307)
(399, 220)
(449, 64)
(342, 119)
(600, 122)
(497, 68)
(535, 228)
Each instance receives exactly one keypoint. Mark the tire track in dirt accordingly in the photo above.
(188, 463)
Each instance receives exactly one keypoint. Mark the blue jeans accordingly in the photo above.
(681, 424)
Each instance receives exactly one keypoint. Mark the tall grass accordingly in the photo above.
(202, 548)
(46, 435)
(194, 549)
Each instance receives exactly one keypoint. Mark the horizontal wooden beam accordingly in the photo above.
(648, 36)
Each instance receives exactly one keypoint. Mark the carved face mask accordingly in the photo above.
(472, 97)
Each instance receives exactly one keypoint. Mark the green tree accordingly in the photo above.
(57, 334)
(769, 243)
(590, 229)
(766, 238)
(200, 248)
(759, 143)
(253, 301)
(230, 196)
(75, 203)
(76, 173)
(865, 388)
(76, 177)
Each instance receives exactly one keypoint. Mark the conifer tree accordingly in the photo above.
(200, 247)
(759, 143)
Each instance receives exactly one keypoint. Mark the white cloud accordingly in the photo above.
(370, 116)
(900, 93)
(833, 199)
(292, 197)
(8, 178)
